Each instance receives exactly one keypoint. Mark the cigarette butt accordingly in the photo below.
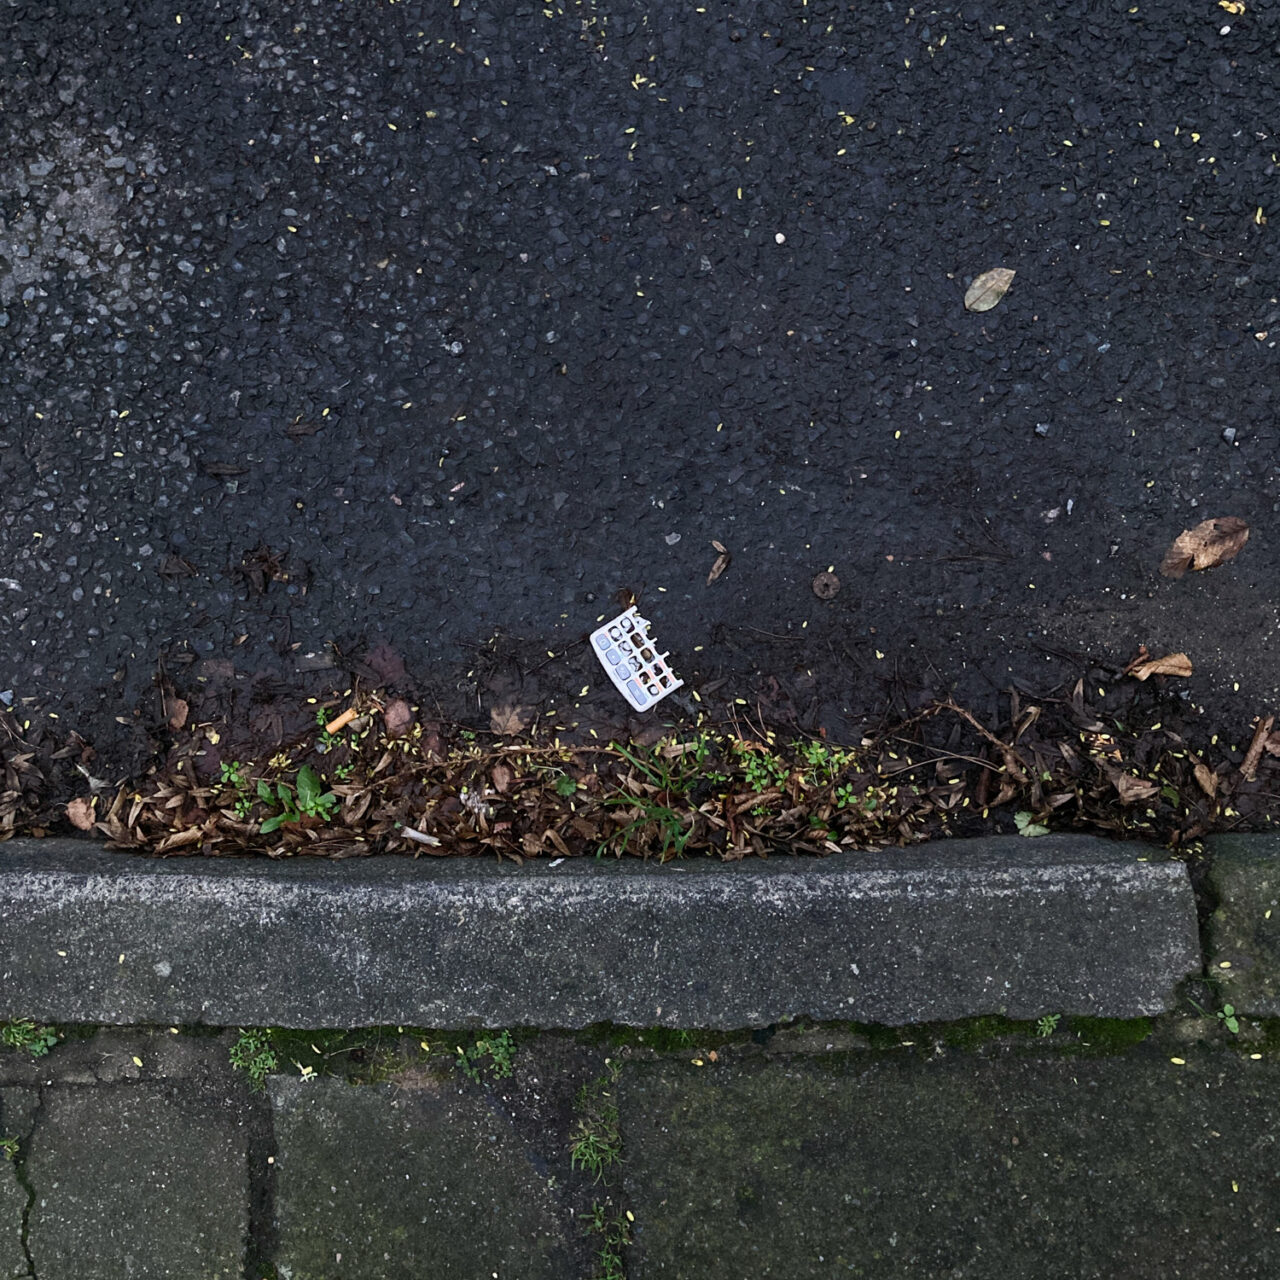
(337, 725)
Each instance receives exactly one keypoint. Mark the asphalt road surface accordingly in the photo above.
(399, 327)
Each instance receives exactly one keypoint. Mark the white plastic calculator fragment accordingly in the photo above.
(627, 651)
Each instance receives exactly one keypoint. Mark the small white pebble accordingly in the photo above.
(780, 238)
(1225, 31)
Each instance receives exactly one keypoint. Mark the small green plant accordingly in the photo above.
(322, 717)
(254, 1054)
(1047, 1025)
(596, 1142)
(36, 1039)
(594, 1148)
(846, 795)
(231, 774)
(614, 1233)
(499, 1049)
(9, 1148)
(566, 786)
(312, 800)
(1227, 1016)
(763, 771)
(343, 771)
(1022, 820)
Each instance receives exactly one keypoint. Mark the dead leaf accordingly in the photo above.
(508, 719)
(1210, 543)
(178, 712)
(80, 813)
(1272, 744)
(988, 289)
(721, 564)
(502, 777)
(825, 585)
(1207, 779)
(397, 717)
(1172, 664)
(1133, 790)
(1261, 736)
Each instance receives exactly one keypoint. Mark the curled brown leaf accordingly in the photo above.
(1172, 664)
(80, 813)
(1210, 543)
(1207, 779)
(721, 564)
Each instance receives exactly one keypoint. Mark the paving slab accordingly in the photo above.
(922, 1168)
(1242, 938)
(137, 1180)
(17, 1110)
(399, 1182)
(947, 930)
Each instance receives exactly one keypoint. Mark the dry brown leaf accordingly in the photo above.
(178, 712)
(1261, 736)
(1210, 543)
(508, 719)
(397, 717)
(502, 777)
(1207, 779)
(179, 839)
(721, 564)
(1172, 664)
(988, 289)
(80, 813)
(1272, 745)
(1133, 790)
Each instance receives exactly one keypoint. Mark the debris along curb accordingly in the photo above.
(952, 929)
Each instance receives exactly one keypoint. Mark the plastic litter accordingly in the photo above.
(628, 652)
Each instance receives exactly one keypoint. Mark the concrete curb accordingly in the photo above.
(1068, 924)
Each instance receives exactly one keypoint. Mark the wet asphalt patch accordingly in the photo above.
(337, 339)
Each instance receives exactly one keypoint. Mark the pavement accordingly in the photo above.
(1140, 1148)
(397, 343)
(1083, 1083)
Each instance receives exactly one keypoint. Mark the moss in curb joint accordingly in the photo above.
(1109, 1035)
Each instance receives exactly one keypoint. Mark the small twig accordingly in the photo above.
(411, 833)
(1249, 769)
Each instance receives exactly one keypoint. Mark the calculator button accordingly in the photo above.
(637, 693)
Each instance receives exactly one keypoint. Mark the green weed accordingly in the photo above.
(312, 800)
(254, 1054)
(596, 1142)
(9, 1148)
(36, 1039)
(1047, 1025)
(500, 1050)
(614, 1233)
(1022, 820)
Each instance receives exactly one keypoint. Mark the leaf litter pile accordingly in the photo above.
(373, 776)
